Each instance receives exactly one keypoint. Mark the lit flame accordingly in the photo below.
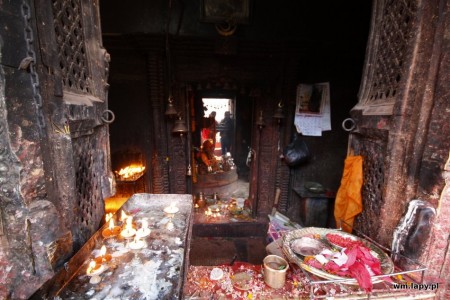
(91, 267)
(102, 251)
(129, 225)
(130, 171)
(111, 224)
(123, 216)
(108, 217)
(129, 222)
(212, 214)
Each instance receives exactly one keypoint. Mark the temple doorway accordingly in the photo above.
(215, 109)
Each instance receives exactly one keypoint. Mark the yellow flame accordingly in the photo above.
(111, 224)
(123, 216)
(131, 170)
(108, 216)
(129, 221)
(103, 251)
(129, 224)
(91, 266)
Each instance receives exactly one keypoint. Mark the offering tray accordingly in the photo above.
(387, 266)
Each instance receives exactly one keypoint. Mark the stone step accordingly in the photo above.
(232, 229)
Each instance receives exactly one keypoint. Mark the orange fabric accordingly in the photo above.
(348, 202)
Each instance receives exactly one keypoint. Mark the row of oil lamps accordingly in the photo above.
(126, 231)
(216, 210)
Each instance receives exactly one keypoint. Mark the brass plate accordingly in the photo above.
(387, 266)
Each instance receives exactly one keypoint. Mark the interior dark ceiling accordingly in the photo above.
(336, 24)
(318, 37)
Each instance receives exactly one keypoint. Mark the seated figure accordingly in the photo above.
(208, 162)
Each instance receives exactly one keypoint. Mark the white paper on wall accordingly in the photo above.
(308, 124)
(313, 110)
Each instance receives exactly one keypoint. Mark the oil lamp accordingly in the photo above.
(129, 231)
(144, 230)
(94, 268)
(172, 209)
(111, 231)
(103, 257)
(137, 243)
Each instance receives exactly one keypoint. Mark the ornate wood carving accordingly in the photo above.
(373, 151)
(387, 56)
(178, 152)
(160, 178)
(397, 148)
(78, 173)
(24, 188)
(82, 75)
(263, 177)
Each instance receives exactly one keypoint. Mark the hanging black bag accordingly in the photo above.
(297, 152)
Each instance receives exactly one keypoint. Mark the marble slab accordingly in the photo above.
(157, 271)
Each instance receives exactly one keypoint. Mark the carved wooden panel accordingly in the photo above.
(264, 165)
(392, 116)
(70, 41)
(160, 178)
(387, 55)
(89, 165)
(178, 149)
(373, 152)
(76, 104)
(77, 56)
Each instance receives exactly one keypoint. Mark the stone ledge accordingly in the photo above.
(238, 229)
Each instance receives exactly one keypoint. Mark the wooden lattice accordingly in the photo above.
(394, 34)
(67, 19)
(372, 151)
(387, 56)
(88, 164)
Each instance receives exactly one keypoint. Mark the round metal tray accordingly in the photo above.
(387, 266)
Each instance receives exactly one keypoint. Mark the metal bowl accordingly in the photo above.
(307, 246)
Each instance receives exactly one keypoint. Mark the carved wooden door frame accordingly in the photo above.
(394, 113)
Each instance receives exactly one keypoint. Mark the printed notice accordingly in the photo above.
(313, 109)
(308, 124)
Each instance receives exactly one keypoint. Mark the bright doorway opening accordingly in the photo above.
(219, 106)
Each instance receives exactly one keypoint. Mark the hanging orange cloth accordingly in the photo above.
(348, 203)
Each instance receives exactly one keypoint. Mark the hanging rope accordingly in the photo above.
(168, 54)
